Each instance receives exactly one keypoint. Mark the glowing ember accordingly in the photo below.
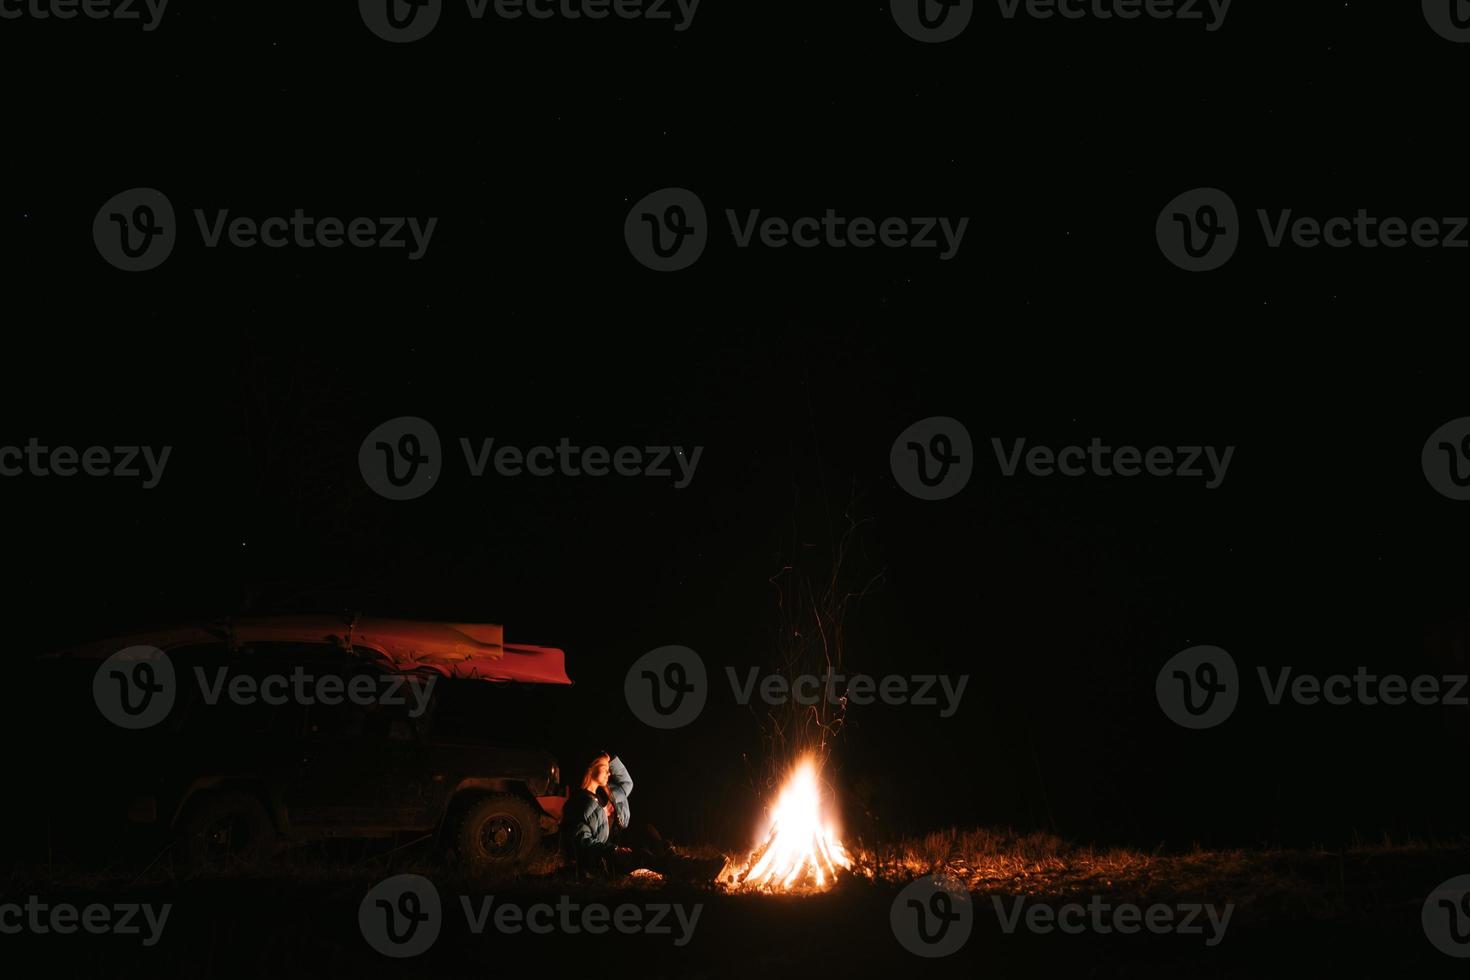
(801, 850)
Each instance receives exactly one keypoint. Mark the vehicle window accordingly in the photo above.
(364, 712)
(344, 720)
(224, 695)
(393, 721)
(286, 687)
(506, 713)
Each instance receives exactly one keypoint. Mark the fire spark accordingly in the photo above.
(801, 850)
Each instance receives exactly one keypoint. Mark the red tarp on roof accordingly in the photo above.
(468, 650)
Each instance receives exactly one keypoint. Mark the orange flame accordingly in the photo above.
(801, 849)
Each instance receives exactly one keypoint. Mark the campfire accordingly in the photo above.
(801, 851)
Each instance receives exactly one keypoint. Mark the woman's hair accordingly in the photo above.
(598, 761)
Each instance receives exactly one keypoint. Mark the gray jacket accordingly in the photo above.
(584, 820)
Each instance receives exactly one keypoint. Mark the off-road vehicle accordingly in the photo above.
(303, 728)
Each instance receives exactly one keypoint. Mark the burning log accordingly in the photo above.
(801, 851)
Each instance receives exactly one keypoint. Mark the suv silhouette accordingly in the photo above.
(310, 728)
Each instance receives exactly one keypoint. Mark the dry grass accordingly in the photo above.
(1312, 883)
(1265, 883)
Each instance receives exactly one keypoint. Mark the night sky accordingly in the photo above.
(527, 320)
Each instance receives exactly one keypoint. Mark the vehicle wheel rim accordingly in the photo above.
(500, 836)
(224, 839)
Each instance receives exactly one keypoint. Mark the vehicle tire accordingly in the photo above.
(225, 830)
(497, 832)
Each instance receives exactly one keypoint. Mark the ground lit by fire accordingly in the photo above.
(800, 849)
